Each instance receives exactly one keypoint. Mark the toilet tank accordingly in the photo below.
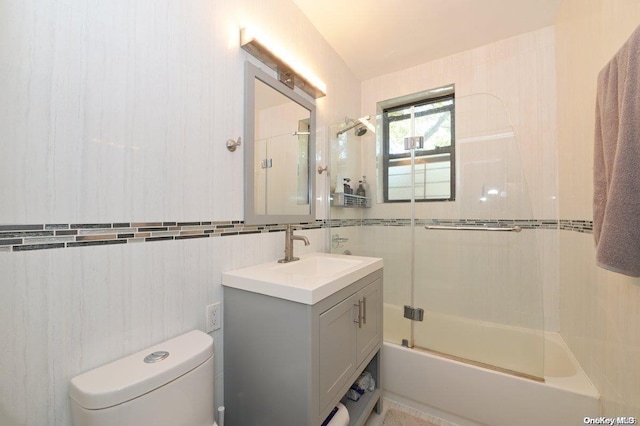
(175, 386)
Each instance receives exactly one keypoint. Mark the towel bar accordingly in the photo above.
(474, 228)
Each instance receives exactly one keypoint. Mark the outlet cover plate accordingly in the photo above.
(213, 317)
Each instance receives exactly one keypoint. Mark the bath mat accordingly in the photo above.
(400, 418)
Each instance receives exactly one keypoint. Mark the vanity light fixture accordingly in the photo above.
(287, 74)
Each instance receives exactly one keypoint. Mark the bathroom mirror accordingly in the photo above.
(279, 135)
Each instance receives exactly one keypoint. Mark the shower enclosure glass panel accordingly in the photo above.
(354, 230)
(481, 291)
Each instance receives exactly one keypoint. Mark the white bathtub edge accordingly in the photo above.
(580, 382)
(477, 395)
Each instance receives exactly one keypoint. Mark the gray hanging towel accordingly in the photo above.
(616, 183)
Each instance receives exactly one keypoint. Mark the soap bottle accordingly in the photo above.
(365, 186)
(347, 187)
(360, 191)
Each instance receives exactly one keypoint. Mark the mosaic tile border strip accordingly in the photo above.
(585, 226)
(51, 236)
(494, 223)
(18, 238)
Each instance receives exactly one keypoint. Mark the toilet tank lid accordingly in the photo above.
(130, 377)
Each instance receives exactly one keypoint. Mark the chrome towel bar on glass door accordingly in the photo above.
(474, 228)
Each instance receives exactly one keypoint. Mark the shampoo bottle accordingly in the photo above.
(365, 186)
(347, 187)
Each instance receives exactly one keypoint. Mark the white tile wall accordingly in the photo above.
(599, 313)
(103, 99)
(119, 111)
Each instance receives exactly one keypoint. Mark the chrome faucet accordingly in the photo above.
(289, 237)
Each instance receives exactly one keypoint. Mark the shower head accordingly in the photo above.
(361, 125)
(360, 130)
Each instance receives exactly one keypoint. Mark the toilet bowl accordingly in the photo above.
(170, 384)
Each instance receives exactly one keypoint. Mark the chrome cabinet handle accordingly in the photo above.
(359, 321)
(364, 310)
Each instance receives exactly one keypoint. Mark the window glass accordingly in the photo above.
(434, 172)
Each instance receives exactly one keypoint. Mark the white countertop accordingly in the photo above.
(308, 280)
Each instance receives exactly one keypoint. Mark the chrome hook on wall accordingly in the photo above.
(232, 145)
(323, 169)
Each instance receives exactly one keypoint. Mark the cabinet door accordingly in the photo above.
(337, 348)
(368, 335)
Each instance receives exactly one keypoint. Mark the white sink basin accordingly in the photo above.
(308, 280)
(313, 266)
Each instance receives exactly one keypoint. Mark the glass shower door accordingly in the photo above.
(477, 275)
(418, 154)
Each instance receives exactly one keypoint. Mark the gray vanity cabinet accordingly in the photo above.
(289, 363)
(349, 332)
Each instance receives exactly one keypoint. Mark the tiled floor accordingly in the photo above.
(378, 419)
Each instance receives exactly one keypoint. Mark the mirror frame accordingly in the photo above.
(253, 73)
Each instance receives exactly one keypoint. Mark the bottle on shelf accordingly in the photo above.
(347, 186)
(365, 187)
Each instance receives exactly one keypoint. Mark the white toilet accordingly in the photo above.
(170, 384)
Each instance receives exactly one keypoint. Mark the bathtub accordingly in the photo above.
(471, 395)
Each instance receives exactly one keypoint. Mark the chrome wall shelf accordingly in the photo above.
(350, 200)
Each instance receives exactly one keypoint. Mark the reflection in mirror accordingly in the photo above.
(279, 129)
(281, 140)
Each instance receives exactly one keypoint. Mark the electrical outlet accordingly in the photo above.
(213, 319)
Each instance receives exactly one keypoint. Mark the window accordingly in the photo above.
(434, 172)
